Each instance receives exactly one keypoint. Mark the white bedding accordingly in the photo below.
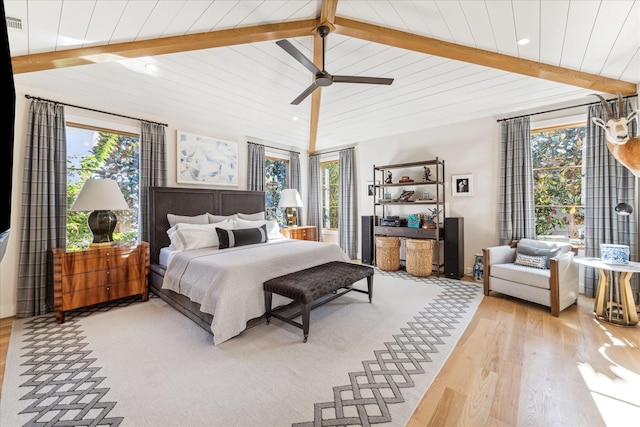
(227, 283)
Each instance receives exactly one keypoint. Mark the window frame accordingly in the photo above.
(578, 238)
(322, 199)
(122, 130)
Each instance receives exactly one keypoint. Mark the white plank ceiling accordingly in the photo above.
(244, 91)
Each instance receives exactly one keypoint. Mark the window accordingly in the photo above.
(329, 188)
(101, 153)
(557, 171)
(275, 171)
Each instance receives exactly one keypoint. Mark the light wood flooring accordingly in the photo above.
(516, 365)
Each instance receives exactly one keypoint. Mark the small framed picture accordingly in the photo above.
(462, 185)
(371, 188)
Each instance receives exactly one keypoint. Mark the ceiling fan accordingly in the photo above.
(322, 77)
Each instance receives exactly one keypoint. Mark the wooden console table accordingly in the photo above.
(614, 299)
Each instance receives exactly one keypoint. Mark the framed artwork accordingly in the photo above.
(206, 160)
(462, 185)
(371, 189)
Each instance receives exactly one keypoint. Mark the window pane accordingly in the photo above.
(100, 154)
(275, 172)
(557, 168)
(330, 178)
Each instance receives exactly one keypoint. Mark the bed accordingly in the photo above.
(221, 289)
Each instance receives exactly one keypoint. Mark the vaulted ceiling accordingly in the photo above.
(213, 66)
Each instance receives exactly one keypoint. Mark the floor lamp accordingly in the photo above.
(625, 210)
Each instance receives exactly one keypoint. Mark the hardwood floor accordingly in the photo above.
(516, 365)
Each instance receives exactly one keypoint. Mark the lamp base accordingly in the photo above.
(102, 223)
(292, 216)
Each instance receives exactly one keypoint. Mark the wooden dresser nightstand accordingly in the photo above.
(96, 275)
(302, 232)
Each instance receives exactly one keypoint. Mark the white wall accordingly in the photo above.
(466, 148)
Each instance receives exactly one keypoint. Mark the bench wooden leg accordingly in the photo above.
(306, 314)
(370, 287)
(267, 304)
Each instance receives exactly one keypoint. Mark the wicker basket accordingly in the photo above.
(419, 257)
(388, 253)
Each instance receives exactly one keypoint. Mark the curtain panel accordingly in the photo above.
(347, 212)
(44, 207)
(314, 202)
(295, 179)
(153, 170)
(255, 167)
(607, 183)
(516, 209)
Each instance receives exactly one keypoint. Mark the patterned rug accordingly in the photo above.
(135, 363)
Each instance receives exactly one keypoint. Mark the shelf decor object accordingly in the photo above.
(102, 196)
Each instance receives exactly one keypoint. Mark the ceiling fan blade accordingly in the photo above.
(304, 94)
(298, 56)
(358, 79)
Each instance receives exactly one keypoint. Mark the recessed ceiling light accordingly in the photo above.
(522, 42)
(295, 117)
(151, 67)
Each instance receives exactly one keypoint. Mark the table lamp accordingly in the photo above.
(290, 200)
(101, 196)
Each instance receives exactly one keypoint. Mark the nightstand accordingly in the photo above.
(92, 276)
(302, 232)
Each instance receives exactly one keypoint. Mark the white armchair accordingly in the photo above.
(554, 284)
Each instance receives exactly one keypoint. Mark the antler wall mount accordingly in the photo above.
(322, 77)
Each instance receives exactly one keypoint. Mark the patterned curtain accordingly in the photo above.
(255, 167)
(516, 210)
(314, 202)
(153, 170)
(44, 207)
(607, 183)
(295, 179)
(347, 213)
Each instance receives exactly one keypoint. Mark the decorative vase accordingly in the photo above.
(478, 268)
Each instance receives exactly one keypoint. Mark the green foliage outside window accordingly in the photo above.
(557, 169)
(275, 172)
(330, 187)
(110, 156)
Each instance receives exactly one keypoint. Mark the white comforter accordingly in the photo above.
(227, 283)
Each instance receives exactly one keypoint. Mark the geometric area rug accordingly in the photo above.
(134, 363)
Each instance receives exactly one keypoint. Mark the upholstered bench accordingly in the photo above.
(309, 286)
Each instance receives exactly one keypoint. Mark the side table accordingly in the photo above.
(614, 299)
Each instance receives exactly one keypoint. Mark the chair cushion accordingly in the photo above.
(536, 277)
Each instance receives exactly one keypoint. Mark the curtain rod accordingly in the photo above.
(276, 148)
(332, 151)
(91, 109)
(564, 108)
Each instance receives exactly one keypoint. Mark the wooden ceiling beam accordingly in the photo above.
(161, 46)
(430, 46)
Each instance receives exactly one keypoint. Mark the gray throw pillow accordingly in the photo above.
(533, 251)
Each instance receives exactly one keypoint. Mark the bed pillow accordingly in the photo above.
(252, 217)
(185, 236)
(242, 236)
(532, 261)
(219, 218)
(178, 219)
(273, 229)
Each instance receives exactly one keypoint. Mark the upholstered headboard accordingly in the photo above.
(193, 201)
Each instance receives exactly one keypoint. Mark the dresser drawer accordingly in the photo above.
(77, 299)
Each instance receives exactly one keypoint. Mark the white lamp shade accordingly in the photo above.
(100, 195)
(290, 198)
